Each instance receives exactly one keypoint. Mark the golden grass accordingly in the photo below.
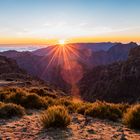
(55, 116)
(11, 110)
(132, 117)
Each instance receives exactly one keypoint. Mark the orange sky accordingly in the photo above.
(40, 41)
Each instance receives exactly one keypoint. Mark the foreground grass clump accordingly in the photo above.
(104, 110)
(27, 100)
(55, 116)
(132, 117)
(11, 110)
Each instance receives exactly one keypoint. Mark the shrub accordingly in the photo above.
(17, 97)
(83, 107)
(64, 101)
(43, 92)
(35, 101)
(3, 95)
(39, 91)
(72, 108)
(27, 100)
(55, 116)
(104, 110)
(10, 110)
(132, 117)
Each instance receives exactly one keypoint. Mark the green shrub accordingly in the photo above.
(55, 116)
(10, 110)
(104, 110)
(132, 117)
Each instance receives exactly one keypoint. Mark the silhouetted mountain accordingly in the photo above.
(79, 46)
(117, 82)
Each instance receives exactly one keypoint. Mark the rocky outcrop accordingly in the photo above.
(118, 82)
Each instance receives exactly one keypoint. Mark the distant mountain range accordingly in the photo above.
(78, 46)
(91, 55)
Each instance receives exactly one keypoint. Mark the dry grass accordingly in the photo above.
(55, 116)
(43, 92)
(132, 117)
(27, 100)
(105, 110)
(11, 110)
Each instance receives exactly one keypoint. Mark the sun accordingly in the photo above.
(61, 41)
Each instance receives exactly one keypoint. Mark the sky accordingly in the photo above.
(47, 21)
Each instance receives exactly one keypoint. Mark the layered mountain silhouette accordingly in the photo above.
(79, 46)
(117, 82)
(90, 56)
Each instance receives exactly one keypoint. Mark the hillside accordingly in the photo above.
(12, 75)
(117, 82)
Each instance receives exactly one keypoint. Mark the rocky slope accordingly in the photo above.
(118, 82)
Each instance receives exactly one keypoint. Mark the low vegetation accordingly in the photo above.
(58, 108)
(104, 110)
(27, 100)
(55, 116)
(132, 117)
(11, 110)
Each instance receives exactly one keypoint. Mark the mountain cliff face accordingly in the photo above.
(117, 82)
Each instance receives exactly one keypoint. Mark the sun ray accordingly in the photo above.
(66, 57)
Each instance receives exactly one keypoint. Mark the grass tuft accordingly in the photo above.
(132, 117)
(55, 116)
(11, 110)
(104, 110)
